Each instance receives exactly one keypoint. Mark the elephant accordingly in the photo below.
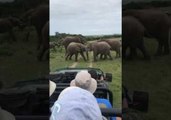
(157, 25)
(37, 17)
(115, 46)
(132, 36)
(90, 44)
(67, 40)
(75, 48)
(101, 48)
(7, 25)
(44, 48)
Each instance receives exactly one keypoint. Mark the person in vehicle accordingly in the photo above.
(5, 115)
(83, 79)
(99, 78)
(75, 103)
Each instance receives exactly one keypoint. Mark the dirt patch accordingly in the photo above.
(74, 65)
(91, 64)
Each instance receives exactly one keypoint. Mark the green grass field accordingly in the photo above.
(152, 76)
(57, 60)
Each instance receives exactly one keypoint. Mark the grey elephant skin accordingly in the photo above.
(157, 25)
(67, 40)
(37, 17)
(44, 48)
(7, 25)
(75, 49)
(101, 48)
(132, 35)
(115, 46)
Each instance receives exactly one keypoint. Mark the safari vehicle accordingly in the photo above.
(29, 100)
(63, 77)
(66, 75)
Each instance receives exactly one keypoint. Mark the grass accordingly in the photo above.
(153, 77)
(57, 60)
(18, 59)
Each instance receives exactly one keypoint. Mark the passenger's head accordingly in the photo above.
(5, 115)
(52, 87)
(84, 80)
(75, 103)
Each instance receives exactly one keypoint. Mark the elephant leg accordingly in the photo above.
(66, 56)
(166, 46)
(159, 49)
(11, 33)
(42, 51)
(132, 52)
(82, 54)
(119, 53)
(70, 56)
(105, 56)
(27, 36)
(110, 57)
(101, 56)
(143, 50)
(76, 56)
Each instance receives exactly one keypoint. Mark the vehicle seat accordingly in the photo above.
(104, 103)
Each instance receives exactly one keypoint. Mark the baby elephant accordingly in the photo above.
(74, 49)
(101, 48)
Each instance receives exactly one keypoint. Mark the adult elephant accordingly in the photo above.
(90, 44)
(101, 48)
(115, 46)
(157, 24)
(76, 48)
(44, 48)
(7, 25)
(37, 17)
(67, 40)
(132, 36)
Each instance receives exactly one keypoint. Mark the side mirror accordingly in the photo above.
(140, 101)
(108, 77)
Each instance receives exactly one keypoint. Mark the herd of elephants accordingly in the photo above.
(37, 17)
(74, 46)
(136, 24)
(150, 23)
